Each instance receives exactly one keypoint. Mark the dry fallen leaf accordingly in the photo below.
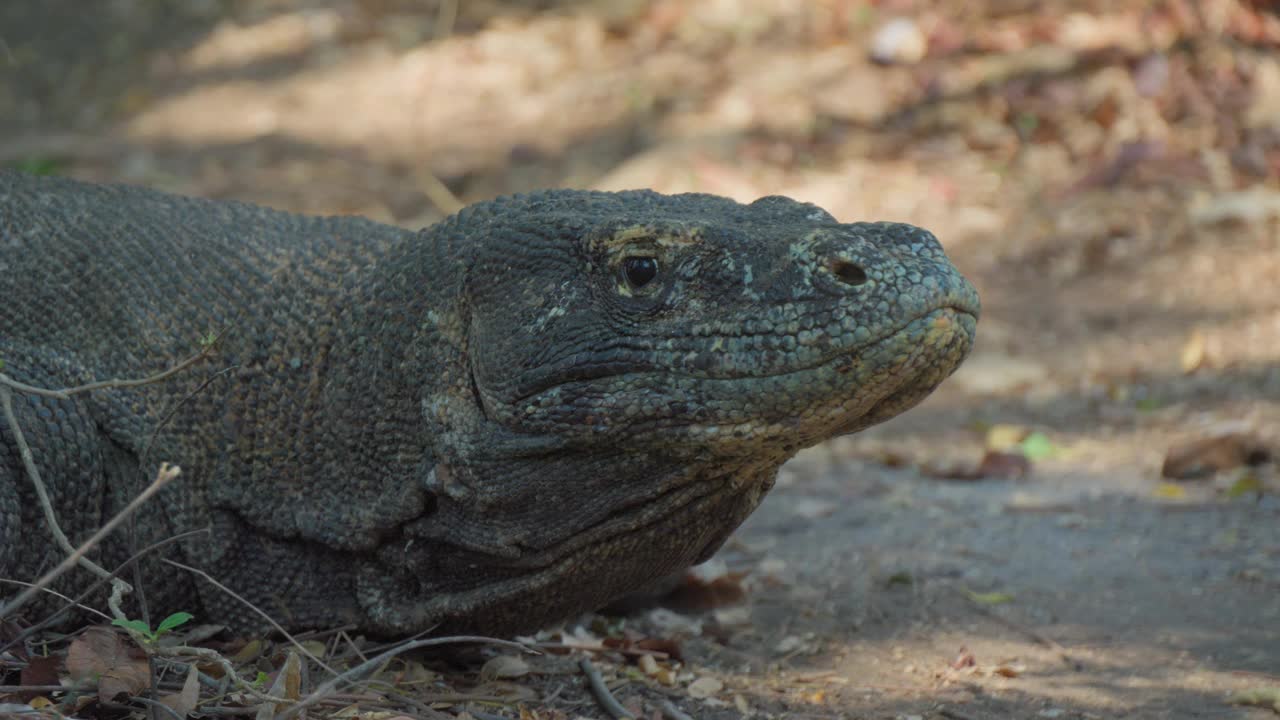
(1193, 354)
(1005, 465)
(1002, 437)
(669, 647)
(994, 464)
(109, 658)
(705, 687)
(184, 702)
(503, 667)
(288, 684)
(1268, 697)
(1169, 491)
(1203, 457)
(41, 670)
(251, 651)
(699, 593)
(963, 659)
(648, 665)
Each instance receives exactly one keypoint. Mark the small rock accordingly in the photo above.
(705, 687)
(788, 644)
(1253, 205)
(899, 42)
(732, 617)
(811, 508)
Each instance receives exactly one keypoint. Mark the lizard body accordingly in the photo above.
(517, 414)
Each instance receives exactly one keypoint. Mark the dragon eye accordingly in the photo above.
(639, 271)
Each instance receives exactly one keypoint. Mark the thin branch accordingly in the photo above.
(1028, 632)
(228, 670)
(66, 393)
(672, 712)
(154, 705)
(164, 476)
(46, 688)
(60, 596)
(437, 192)
(353, 675)
(28, 632)
(164, 420)
(634, 652)
(601, 692)
(77, 556)
(42, 494)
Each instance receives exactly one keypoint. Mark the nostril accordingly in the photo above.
(848, 273)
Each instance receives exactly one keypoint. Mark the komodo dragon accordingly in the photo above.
(521, 413)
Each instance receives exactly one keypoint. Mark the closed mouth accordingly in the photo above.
(587, 373)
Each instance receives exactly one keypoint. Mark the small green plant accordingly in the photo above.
(1148, 404)
(38, 166)
(1026, 124)
(1037, 446)
(208, 339)
(166, 626)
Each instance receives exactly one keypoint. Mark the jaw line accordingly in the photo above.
(956, 311)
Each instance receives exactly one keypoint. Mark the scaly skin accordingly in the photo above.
(487, 425)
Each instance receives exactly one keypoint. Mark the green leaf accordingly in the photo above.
(173, 621)
(135, 625)
(1037, 446)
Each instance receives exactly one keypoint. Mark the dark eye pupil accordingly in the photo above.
(640, 271)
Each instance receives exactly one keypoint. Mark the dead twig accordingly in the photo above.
(46, 688)
(601, 692)
(76, 602)
(164, 476)
(1030, 633)
(156, 705)
(66, 393)
(228, 670)
(634, 652)
(73, 602)
(672, 712)
(42, 494)
(164, 420)
(438, 193)
(350, 677)
(77, 556)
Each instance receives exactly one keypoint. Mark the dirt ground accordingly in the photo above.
(1107, 173)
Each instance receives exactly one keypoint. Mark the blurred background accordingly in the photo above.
(1107, 172)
